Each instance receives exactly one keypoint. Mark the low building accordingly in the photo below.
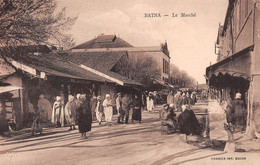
(57, 74)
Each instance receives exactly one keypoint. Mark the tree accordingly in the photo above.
(181, 78)
(32, 22)
(143, 70)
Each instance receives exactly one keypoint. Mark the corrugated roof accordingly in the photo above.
(104, 41)
(5, 69)
(60, 65)
(55, 66)
(102, 61)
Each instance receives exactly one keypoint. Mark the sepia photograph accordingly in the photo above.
(133, 82)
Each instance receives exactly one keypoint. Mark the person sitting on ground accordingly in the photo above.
(168, 117)
(188, 123)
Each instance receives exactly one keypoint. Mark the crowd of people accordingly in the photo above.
(186, 122)
(82, 111)
(181, 98)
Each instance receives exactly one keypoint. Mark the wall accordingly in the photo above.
(245, 36)
(256, 70)
(239, 29)
(18, 98)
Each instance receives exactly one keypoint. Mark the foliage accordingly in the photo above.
(180, 78)
(33, 22)
(143, 70)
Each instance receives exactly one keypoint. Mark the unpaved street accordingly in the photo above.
(118, 144)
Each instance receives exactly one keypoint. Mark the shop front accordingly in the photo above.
(234, 75)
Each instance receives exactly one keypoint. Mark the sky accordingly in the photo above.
(190, 39)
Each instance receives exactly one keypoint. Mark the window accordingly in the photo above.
(165, 67)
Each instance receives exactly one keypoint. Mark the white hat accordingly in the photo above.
(171, 105)
(238, 96)
(83, 96)
(183, 107)
(78, 96)
(107, 95)
(71, 98)
(58, 98)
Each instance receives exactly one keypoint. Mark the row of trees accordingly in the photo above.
(181, 78)
(145, 71)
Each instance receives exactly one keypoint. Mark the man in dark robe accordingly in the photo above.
(84, 116)
(188, 123)
(238, 113)
(136, 106)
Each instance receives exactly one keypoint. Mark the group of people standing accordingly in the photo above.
(77, 111)
(181, 98)
(123, 106)
(81, 110)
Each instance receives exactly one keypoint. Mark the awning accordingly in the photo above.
(4, 89)
(162, 83)
(230, 73)
(236, 65)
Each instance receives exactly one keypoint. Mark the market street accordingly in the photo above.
(118, 144)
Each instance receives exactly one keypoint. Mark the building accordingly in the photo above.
(112, 43)
(56, 74)
(237, 68)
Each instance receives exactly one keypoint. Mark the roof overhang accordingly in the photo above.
(4, 89)
(102, 74)
(236, 65)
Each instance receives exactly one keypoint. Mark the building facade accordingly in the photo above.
(237, 68)
(112, 43)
